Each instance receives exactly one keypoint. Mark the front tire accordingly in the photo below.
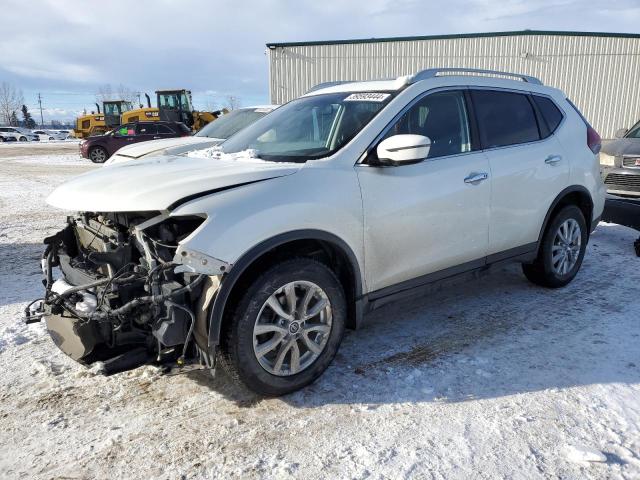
(98, 155)
(562, 250)
(286, 329)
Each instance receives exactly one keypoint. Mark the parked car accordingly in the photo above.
(49, 135)
(100, 147)
(334, 204)
(7, 137)
(20, 134)
(620, 161)
(212, 134)
(66, 133)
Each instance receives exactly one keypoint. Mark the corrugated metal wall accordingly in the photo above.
(600, 74)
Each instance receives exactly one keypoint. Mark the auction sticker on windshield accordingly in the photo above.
(367, 97)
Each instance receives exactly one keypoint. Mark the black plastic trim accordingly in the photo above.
(230, 279)
(623, 211)
(556, 201)
(426, 283)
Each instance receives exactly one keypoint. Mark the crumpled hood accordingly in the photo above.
(157, 183)
(622, 146)
(171, 146)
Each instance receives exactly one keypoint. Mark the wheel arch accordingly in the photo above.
(307, 242)
(573, 195)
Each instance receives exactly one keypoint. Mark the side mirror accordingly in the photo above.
(621, 133)
(403, 149)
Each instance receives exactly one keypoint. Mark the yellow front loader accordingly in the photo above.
(147, 114)
(177, 106)
(90, 124)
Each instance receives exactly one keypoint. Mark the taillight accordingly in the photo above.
(594, 142)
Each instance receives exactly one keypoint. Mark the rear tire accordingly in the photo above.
(562, 250)
(23, 139)
(277, 353)
(98, 155)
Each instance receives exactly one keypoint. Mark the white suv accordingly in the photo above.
(349, 197)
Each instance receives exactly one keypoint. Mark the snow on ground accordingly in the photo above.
(491, 379)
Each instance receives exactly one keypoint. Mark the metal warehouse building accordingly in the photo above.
(600, 72)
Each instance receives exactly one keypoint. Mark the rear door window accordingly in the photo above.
(504, 118)
(551, 114)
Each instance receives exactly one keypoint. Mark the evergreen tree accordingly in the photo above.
(29, 122)
(13, 119)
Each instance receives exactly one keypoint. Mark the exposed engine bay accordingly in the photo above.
(120, 289)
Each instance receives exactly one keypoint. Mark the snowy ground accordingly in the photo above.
(492, 379)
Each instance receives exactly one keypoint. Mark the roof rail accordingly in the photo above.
(327, 85)
(433, 72)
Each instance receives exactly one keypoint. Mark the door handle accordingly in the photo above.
(552, 159)
(475, 178)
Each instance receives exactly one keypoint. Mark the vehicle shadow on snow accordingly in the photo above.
(20, 273)
(491, 337)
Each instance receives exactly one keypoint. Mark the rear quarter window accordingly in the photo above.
(504, 118)
(551, 114)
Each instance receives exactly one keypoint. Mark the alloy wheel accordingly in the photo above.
(98, 155)
(565, 250)
(292, 328)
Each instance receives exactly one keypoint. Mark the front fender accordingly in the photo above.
(245, 222)
(237, 219)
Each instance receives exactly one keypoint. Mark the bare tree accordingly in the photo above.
(232, 102)
(121, 92)
(104, 92)
(11, 100)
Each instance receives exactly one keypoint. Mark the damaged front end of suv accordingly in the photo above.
(121, 289)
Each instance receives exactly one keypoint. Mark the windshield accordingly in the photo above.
(309, 127)
(111, 109)
(634, 132)
(232, 122)
(175, 101)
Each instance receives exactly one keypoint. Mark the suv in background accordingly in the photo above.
(620, 161)
(336, 203)
(100, 147)
(212, 134)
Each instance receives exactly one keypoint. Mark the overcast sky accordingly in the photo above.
(66, 49)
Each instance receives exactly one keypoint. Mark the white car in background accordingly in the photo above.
(50, 135)
(212, 134)
(67, 133)
(20, 134)
(7, 137)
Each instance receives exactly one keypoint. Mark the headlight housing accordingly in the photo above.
(607, 160)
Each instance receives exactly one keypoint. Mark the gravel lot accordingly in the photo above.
(491, 379)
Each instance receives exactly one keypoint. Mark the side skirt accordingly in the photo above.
(436, 281)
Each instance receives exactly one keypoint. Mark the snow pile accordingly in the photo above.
(493, 379)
